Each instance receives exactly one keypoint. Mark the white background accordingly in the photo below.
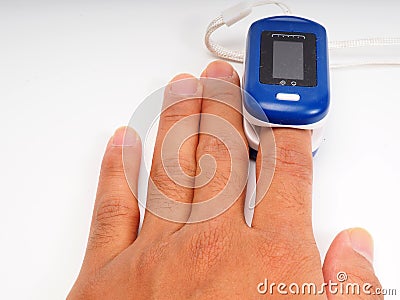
(73, 71)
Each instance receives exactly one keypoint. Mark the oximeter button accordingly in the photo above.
(288, 97)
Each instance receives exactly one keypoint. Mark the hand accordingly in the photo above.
(219, 258)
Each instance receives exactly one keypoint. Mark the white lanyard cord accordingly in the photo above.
(233, 14)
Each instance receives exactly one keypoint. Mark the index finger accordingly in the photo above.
(287, 204)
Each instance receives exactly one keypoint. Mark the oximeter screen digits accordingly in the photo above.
(288, 59)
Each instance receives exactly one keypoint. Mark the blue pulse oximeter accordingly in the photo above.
(286, 77)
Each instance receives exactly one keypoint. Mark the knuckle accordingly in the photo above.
(293, 198)
(180, 105)
(112, 207)
(177, 108)
(293, 162)
(165, 186)
(151, 256)
(278, 243)
(281, 256)
(112, 162)
(172, 116)
(175, 167)
(217, 184)
(222, 91)
(158, 175)
(208, 246)
(224, 147)
(101, 235)
(273, 252)
(229, 169)
(215, 147)
(111, 211)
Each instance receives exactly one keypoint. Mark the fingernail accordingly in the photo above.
(362, 243)
(125, 137)
(187, 86)
(219, 69)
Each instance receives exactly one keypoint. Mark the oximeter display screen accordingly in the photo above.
(288, 59)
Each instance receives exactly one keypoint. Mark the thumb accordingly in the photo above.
(348, 265)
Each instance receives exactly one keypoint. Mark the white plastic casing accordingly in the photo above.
(252, 125)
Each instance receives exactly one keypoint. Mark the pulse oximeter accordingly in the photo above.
(286, 77)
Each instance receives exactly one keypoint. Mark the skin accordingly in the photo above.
(219, 258)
